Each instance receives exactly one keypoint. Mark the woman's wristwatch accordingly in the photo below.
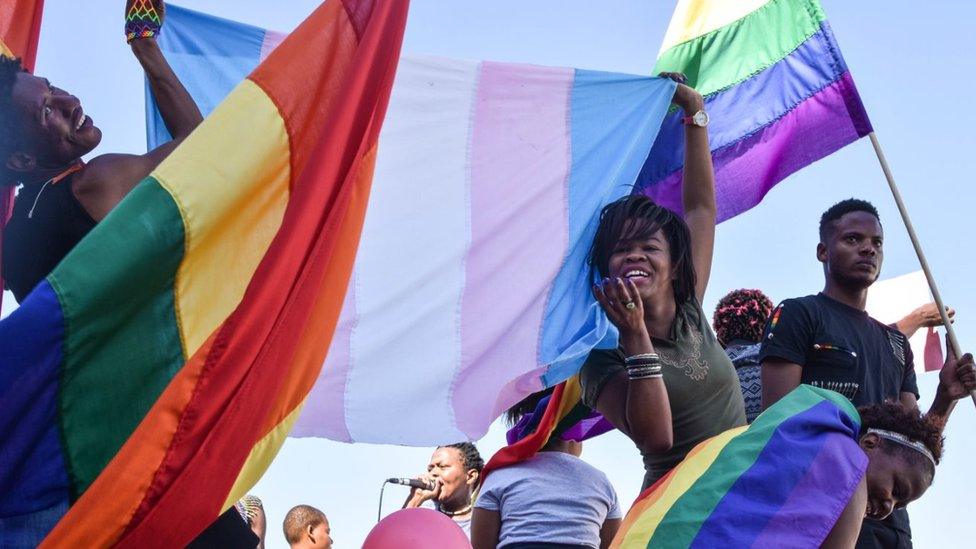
(699, 119)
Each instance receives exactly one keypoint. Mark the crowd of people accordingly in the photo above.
(675, 380)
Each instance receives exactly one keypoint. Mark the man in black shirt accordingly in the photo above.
(828, 340)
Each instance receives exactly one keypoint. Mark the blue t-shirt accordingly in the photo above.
(552, 497)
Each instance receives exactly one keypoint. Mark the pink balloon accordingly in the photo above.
(416, 529)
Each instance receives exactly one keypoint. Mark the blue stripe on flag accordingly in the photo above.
(32, 470)
(211, 56)
(614, 119)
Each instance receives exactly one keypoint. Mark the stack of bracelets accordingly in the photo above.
(643, 366)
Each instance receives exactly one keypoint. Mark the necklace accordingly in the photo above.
(54, 181)
(462, 511)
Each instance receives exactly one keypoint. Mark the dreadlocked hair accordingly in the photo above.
(10, 67)
(893, 417)
(525, 406)
(637, 217)
(741, 314)
(470, 457)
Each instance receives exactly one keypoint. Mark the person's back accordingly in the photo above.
(553, 497)
(40, 234)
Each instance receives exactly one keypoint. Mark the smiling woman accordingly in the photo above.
(668, 385)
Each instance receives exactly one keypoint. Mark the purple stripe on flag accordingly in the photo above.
(324, 414)
(792, 521)
(520, 133)
(747, 169)
(270, 42)
(798, 455)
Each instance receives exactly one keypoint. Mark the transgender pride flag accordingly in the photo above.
(470, 287)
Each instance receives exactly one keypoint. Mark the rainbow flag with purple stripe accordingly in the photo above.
(776, 86)
(781, 482)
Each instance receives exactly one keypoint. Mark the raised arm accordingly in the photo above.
(697, 185)
(109, 178)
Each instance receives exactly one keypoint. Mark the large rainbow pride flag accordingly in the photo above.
(781, 482)
(776, 86)
(152, 377)
(470, 288)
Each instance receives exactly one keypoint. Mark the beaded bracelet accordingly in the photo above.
(633, 377)
(642, 372)
(142, 20)
(643, 358)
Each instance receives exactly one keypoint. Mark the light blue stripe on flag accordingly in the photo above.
(614, 119)
(211, 55)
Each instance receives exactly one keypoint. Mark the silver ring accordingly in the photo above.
(630, 305)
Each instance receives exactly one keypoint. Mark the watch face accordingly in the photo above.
(700, 118)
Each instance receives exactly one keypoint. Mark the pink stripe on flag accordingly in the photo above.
(520, 162)
(324, 414)
(747, 169)
(270, 42)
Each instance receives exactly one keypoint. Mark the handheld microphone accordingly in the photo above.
(411, 482)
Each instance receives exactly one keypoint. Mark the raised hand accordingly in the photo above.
(685, 96)
(143, 18)
(622, 303)
(957, 377)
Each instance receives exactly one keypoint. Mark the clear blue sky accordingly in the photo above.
(911, 64)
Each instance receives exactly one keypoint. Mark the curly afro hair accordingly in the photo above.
(741, 314)
(893, 417)
(842, 208)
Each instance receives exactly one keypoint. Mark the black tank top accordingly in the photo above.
(33, 246)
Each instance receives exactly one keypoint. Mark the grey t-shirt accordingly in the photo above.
(552, 497)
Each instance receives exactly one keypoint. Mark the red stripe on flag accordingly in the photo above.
(530, 445)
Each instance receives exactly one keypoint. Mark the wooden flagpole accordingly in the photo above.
(950, 332)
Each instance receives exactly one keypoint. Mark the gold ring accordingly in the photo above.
(630, 305)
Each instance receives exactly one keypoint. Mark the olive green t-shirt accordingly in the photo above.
(703, 388)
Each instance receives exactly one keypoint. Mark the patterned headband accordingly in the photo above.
(905, 441)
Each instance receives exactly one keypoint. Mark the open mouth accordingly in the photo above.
(79, 118)
(635, 274)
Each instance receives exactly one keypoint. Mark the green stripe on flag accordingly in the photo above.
(728, 55)
(684, 518)
(122, 344)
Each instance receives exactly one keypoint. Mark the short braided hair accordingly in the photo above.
(741, 314)
(10, 67)
(890, 416)
(470, 457)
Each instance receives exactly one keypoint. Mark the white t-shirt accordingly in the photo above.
(552, 497)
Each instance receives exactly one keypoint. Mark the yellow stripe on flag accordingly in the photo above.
(232, 195)
(694, 18)
(687, 474)
(260, 458)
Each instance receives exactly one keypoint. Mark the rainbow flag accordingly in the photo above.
(777, 89)
(470, 288)
(781, 482)
(154, 374)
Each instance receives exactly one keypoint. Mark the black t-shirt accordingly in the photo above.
(842, 349)
(34, 242)
(845, 350)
